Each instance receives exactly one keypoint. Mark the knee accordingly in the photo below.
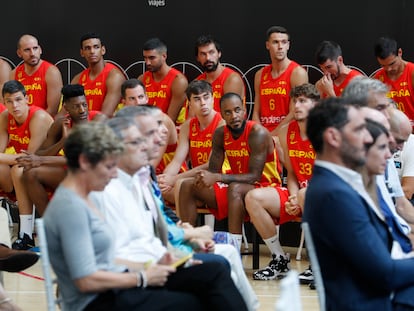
(236, 191)
(30, 175)
(252, 199)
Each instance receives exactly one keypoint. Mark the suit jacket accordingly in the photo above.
(353, 247)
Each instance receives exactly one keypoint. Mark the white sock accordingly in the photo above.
(274, 245)
(237, 238)
(26, 225)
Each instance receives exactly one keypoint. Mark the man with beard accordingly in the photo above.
(397, 74)
(336, 75)
(165, 86)
(277, 205)
(41, 79)
(45, 169)
(366, 92)
(250, 150)
(222, 79)
(272, 84)
(101, 80)
(354, 245)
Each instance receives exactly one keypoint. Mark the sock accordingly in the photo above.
(274, 245)
(237, 238)
(26, 225)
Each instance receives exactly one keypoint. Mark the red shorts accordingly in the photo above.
(222, 210)
(284, 197)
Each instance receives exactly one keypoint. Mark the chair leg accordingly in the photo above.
(246, 243)
(302, 240)
(256, 249)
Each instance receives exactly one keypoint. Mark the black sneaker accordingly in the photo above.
(306, 277)
(312, 285)
(24, 243)
(277, 268)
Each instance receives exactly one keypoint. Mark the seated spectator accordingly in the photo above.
(403, 151)
(141, 234)
(182, 237)
(92, 281)
(356, 243)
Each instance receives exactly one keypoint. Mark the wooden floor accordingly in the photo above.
(27, 288)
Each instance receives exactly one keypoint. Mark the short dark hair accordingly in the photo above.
(13, 86)
(72, 90)
(196, 87)
(327, 50)
(130, 84)
(91, 35)
(228, 96)
(204, 40)
(307, 89)
(277, 29)
(155, 44)
(330, 112)
(385, 47)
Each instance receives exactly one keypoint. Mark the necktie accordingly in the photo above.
(395, 228)
(160, 227)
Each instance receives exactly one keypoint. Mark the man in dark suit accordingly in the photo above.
(352, 241)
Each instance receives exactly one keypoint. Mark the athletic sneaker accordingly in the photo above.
(277, 268)
(306, 277)
(24, 243)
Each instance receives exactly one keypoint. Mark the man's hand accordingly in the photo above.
(325, 85)
(28, 160)
(292, 207)
(204, 179)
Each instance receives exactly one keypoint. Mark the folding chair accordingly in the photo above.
(310, 247)
(52, 301)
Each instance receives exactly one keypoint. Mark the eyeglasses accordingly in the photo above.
(135, 142)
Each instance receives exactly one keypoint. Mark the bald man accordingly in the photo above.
(41, 79)
(403, 151)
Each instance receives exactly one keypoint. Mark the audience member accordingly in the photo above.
(402, 153)
(165, 86)
(251, 153)
(132, 244)
(372, 93)
(101, 80)
(93, 281)
(41, 79)
(336, 75)
(397, 74)
(351, 249)
(23, 128)
(222, 79)
(272, 84)
(133, 93)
